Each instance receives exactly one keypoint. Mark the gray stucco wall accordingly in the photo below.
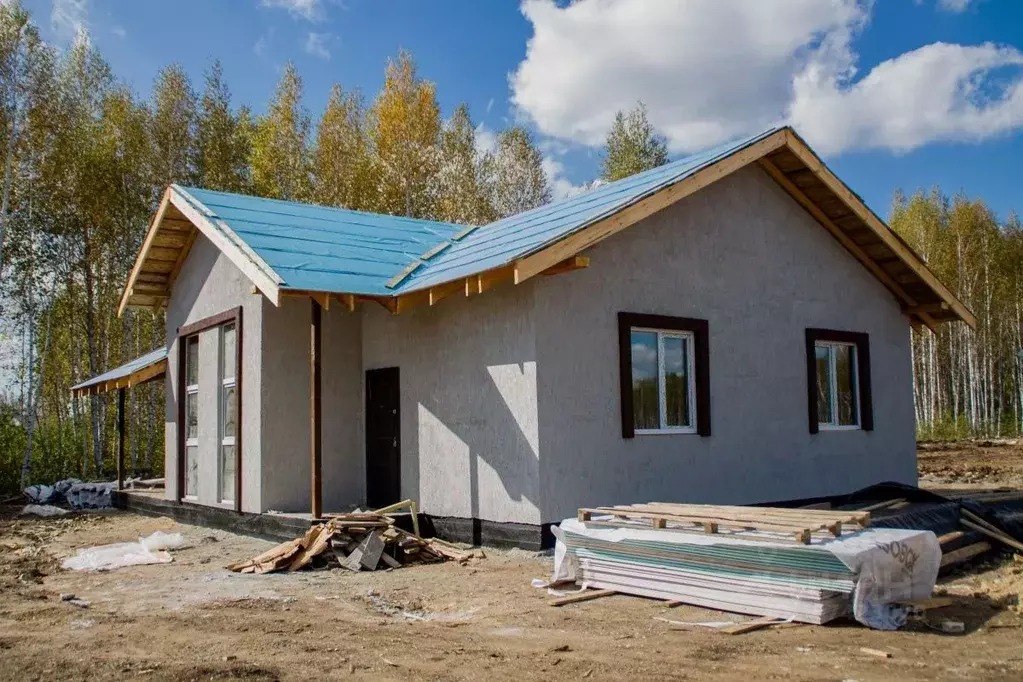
(469, 423)
(209, 284)
(286, 475)
(744, 256)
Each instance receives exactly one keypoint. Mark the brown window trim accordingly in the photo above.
(234, 315)
(862, 343)
(701, 334)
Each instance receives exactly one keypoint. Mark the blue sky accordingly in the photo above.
(893, 93)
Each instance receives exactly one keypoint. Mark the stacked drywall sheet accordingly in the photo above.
(860, 572)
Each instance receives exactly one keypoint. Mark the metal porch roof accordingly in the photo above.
(129, 374)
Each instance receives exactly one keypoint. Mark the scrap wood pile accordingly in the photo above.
(356, 541)
(801, 564)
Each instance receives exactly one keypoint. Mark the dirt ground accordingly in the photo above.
(971, 464)
(193, 620)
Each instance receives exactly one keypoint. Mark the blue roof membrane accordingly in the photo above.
(514, 237)
(319, 248)
(127, 369)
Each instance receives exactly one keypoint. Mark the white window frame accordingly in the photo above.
(225, 439)
(689, 338)
(190, 390)
(833, 425)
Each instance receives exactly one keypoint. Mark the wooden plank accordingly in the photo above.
(442, 291)
(348, 300)
(875, 652)
(807, 156)
(965, 553)
(582, 596)
(568, 246)
(950, 537)
(568, 265)
(315, 430)
(140, 257)
(186, 248)
(993, 534)
(737, 512)
(236, 250)
(750, 626)
(405, 272)
(484, 281)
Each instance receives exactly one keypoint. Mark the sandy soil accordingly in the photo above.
(972, 464)
(192, 620)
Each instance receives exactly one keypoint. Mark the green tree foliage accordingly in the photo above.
(345, 171)
(465, 176)
(968, 382)
(633, 146)
(406, 127)
(520, 182)
(223, 138)
(281, 163)
(86, 162)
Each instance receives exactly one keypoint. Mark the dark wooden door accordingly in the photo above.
(383, 438)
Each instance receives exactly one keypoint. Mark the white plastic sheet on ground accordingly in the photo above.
(891, 565)
(42, 510)
(148, 550)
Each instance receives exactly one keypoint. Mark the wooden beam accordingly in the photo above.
(186, 248)
(536, 263)
(568, 265)
(348, 301)
(315, 433)
(893, 241)
(140, 258)
(442, 291)
(484, 281)
(926, 308)
(321, 298)
(120, 439)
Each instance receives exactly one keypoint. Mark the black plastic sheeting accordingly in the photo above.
(926, 511)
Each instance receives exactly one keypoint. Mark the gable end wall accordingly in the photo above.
(746, 257)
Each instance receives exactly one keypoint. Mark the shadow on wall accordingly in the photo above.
(483, 444)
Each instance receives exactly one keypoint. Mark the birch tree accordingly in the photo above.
(633, 146)
(520, 182)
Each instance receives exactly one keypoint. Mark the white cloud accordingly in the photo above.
(69, 17)
(716, 70)
(317, 45)
(119, 31)
(486, 140)
(490, 104)
(263, 43)
(310, 10)
(561, 187)
(955, 5)
(938, 92)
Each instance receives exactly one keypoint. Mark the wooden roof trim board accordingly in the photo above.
(885, 233)
(535, 263)
(916, 270)
(141, 375)
(237, 251)
(140, 258)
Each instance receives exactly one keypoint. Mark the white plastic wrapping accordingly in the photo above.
(890, 565)
(148, 550)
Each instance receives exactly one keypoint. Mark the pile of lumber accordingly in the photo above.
(357, 541)
(798, 525)
(792, 564)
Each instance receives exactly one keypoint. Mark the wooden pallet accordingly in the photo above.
(801, 524)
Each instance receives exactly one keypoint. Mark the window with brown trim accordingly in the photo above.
(838, 381)
(664, 366)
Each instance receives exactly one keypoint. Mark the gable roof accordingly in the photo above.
(290, 248)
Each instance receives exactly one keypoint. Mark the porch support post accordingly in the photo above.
(120, 438)
(315, 409)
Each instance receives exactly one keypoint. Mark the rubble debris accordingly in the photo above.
(357, 541)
